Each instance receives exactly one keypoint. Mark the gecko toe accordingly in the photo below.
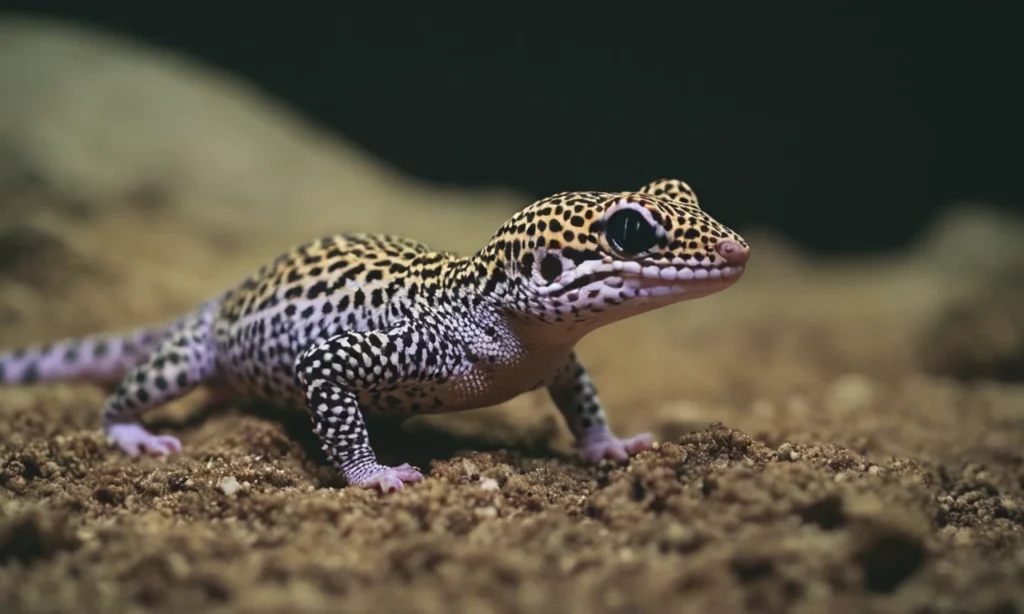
(134, 440)
(639, 443)
(390, 483)
(408, 473)
(163, 445)
(609, 447)
(391, 479)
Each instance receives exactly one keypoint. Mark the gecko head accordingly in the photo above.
(599, 257)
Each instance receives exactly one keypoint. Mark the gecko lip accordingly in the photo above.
(651, 279)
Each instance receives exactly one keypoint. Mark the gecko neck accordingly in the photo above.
(486, 281)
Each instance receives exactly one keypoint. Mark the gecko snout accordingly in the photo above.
(733, 251)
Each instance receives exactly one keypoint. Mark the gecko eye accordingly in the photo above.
(629, 232)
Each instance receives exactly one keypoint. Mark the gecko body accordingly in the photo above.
(358, 323)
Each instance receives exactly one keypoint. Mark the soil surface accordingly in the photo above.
(835, 436)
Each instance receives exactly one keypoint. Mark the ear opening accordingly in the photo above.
(675, 189)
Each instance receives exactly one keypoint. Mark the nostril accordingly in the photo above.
(733, 252)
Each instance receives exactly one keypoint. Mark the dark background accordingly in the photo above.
(845, 125)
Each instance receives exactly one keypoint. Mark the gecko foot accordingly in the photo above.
(603, 445)
(134, 440)
(390, 479)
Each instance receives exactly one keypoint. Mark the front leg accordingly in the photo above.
(574, 393)
(334, 373)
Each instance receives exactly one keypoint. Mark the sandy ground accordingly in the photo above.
(836, 436)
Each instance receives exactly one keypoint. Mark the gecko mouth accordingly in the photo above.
(628, 279)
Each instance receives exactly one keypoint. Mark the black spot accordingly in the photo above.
(377, 298)
(691, 233)
(316, 290)
(630, 233)
(359, 298)
(161, 382)
(527, 262)
(31, 374)
(555, 226)
(327, 308)
(182, 380)
(100, 349)
(142, 395)
(576, 221)
(307, 312)
(499, 276)
(578, 256)
(374, 275)
(550, 268)
(337, 264)
(71, 354)
(293, 292)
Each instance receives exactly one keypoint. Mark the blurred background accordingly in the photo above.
(847, 126)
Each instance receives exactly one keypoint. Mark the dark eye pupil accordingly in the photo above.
(629, 232)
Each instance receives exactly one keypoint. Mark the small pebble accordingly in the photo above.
(228, 485)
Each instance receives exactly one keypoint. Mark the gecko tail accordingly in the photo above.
(103, 358)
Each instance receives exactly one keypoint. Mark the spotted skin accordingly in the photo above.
(358, 323)
(576, 398)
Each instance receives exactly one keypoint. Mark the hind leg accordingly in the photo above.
(179, 365)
